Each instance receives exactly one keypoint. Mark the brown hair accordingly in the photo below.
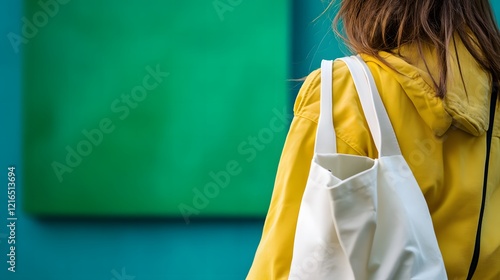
(371, 26)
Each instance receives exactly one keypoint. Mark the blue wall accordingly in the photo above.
(132, 249)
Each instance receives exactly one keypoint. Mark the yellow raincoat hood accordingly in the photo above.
(467, 101)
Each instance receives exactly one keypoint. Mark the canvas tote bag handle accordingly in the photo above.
(326, 141)
(389, 143)
(374, 110)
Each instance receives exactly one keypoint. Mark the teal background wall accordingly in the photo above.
(133, 249)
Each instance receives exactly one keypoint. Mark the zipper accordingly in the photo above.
(489, 136)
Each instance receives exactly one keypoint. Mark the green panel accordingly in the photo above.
(145, 107)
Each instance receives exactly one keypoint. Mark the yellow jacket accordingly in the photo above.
(443, 141)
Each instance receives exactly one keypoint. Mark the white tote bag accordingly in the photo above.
(362, 218)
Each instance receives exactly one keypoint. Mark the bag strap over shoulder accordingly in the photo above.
(326, 140)
(373, 108)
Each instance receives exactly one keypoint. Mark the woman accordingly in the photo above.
(436, 63)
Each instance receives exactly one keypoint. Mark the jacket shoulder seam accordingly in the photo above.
(311, 80)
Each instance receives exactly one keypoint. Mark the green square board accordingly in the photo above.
(153, 108)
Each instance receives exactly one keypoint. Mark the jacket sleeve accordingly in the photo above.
(274, 254)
